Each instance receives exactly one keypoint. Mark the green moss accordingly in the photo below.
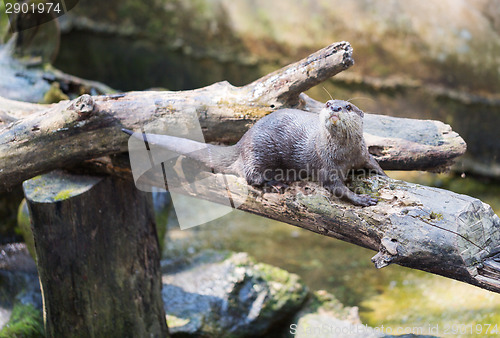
(25, 321)
(318, 204)
(285, 287)
(63, 194)
(367, 185)
(436, 216)
(24, 227)
(173, 321)
(272, 274)
(54, 94)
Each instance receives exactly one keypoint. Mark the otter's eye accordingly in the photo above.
(348, 107)
(336, 108)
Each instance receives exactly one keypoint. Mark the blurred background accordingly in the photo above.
(418, 59)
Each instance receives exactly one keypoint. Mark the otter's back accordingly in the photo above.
(279, 139)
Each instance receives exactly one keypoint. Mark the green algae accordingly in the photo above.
(64, 194)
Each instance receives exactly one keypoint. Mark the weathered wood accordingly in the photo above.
(88, 127)
(98, 257)
(424, 228)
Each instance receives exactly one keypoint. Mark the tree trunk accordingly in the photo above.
(98, 256)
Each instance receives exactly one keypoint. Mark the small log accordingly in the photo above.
(98, 256)
(69, 132)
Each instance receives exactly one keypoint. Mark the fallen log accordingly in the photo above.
(420, 227)
(35, 139)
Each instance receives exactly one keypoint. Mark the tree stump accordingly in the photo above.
(98, 256)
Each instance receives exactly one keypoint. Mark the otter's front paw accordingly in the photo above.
(364, 200)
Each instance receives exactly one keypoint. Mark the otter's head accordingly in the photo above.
(342, 116)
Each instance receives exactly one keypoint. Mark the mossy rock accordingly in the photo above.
(229, 295)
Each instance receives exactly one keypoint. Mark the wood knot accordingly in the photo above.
(377, 151)
(83, 105)
(322, 230)
(388, 252)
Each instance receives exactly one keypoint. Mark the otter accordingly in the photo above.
(289, 145)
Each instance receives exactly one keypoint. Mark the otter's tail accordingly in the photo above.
(219, 158)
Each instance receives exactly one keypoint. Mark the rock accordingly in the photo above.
(221, 295)
(40, 83)
(217, 294)
(16, 257)
(323, 316)
(323, 302)
(325, 326)
(449, 42)
(17, 81)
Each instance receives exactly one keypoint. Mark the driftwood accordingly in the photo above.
(420, 227)
(43, 138)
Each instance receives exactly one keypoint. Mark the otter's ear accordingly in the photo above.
(361, 113)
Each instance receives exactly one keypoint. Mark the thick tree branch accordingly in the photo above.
(286, 84)
(420, 227)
